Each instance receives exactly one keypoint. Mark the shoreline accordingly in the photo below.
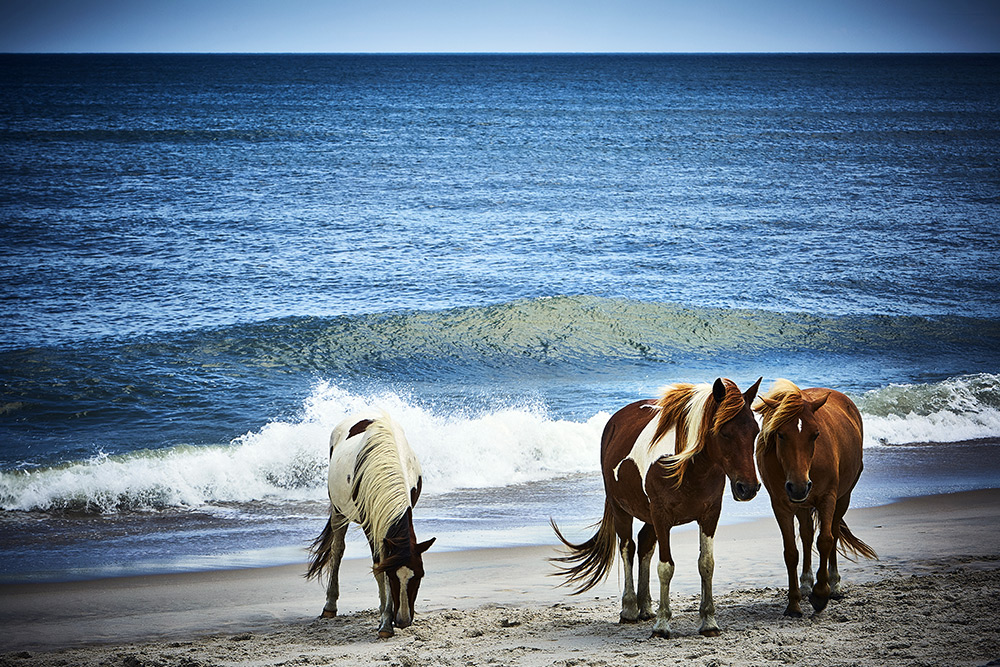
(926, 536)
(54, 548)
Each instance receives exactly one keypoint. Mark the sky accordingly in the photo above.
(476, 26)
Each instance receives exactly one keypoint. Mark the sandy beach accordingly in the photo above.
(929, 600)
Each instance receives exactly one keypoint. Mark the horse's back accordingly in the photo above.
(347, 442)
(622, 430)
(843, 433)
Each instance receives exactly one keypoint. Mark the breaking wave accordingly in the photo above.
(286, 461)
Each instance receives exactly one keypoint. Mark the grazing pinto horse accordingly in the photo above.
(374, 481)
(665, 463)
(809, 456)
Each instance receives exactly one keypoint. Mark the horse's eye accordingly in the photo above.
(781, 436)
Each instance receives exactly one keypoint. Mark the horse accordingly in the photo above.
(665, 463)
(375, 481)
(809, 457)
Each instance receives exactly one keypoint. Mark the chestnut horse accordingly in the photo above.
(374, 481)
(665, 463)
(809, 456)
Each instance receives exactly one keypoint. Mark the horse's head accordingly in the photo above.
(733, 435)
(791, 430)
(403, 567)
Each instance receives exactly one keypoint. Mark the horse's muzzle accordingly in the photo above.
(798, 493)
(743, 491)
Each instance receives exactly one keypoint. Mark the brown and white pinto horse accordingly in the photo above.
(809, 456)
(374, 481)
(665, 463)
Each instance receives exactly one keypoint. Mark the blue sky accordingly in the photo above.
(337, 26)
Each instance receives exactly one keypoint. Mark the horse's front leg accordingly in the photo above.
(385, 606)
(786, 523)
(706, 567)
(336, 556)
(825, 542)
(647, 545)
(806, 534)
(665, 571)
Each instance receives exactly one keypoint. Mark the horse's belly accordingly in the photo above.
(626, 489)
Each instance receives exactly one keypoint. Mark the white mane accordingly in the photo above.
(379, 484)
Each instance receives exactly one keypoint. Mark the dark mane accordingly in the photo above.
(397, 550)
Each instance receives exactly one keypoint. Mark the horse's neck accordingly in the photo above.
(704, 465)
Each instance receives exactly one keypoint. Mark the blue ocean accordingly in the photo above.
(209, 260)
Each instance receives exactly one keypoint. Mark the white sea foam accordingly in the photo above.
(287, 460)
(958, 409)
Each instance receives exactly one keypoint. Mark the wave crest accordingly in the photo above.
(286, 461)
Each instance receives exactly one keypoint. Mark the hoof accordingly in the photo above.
(818, 603)
(647, 616)
(328, 614)
(661, 634)
(712, 632)
(793, 613)
(385, 634)
(624, 620)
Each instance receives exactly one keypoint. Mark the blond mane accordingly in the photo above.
(689, 411)
(379, 484)
(790, 402)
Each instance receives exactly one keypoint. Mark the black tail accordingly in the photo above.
(852, 547)
(321, 551)
(588, 563)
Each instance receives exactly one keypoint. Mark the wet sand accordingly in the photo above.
(931, 599)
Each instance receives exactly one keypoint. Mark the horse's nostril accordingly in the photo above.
(798, 493)
(744, 491)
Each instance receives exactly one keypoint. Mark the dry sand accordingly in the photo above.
(932, 599)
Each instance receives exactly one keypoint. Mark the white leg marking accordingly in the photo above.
(645, 598)
(662, 626)
(706, 567)
(834, 573)
(630, 610)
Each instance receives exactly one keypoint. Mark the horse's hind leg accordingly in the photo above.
(825, 544)
(647, 545)
(836, 592)
(336, 555)
(626, 549)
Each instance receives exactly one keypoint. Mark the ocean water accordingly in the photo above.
(208, 261)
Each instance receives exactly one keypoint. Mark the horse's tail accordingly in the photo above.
(851, 546)
(588, 563)
(321, 551)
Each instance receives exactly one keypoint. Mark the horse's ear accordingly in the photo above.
(769, 402)
(818, 403)
(749, 394)
(424, 546)
(718, 390)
